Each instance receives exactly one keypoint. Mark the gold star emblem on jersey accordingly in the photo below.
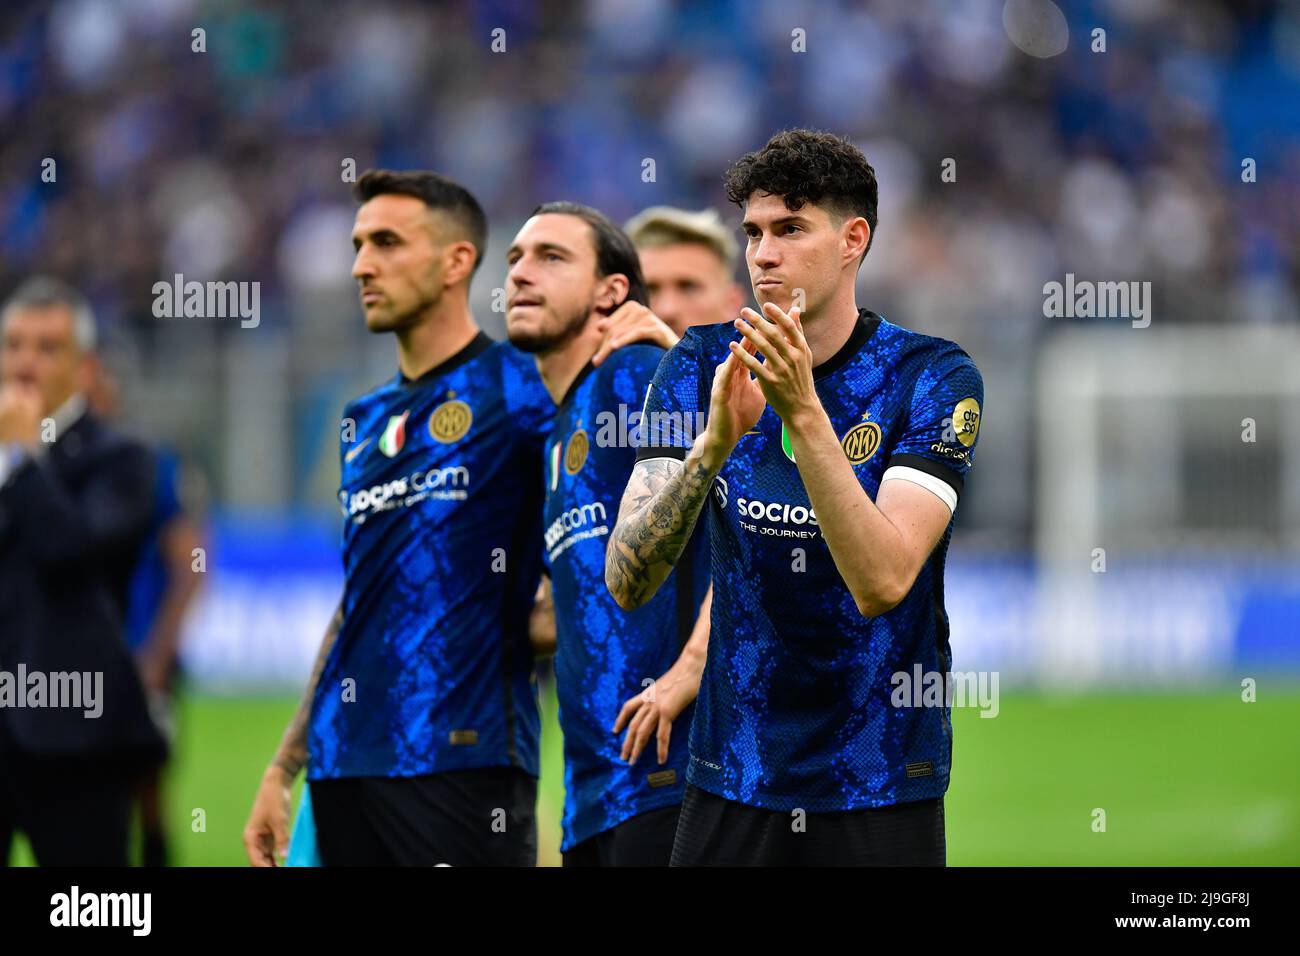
(450, 420)
(861, 441)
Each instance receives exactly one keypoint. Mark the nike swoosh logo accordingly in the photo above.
(356, 451)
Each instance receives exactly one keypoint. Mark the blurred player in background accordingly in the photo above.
(687, 259)
(160, 593)
(569, 267)
(835, 472)
(76, 505)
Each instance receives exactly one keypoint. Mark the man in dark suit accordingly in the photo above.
(75, 507)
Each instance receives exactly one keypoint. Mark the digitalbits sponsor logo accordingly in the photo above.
(966, 421)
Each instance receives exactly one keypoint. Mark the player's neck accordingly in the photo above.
(561, 365)
(431, 342)
(828, 329)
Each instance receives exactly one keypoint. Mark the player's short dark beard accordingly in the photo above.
(410, 318)
(534, 343)
(396, 323)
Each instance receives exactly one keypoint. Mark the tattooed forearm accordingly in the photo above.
(658, 513)
(292, 753)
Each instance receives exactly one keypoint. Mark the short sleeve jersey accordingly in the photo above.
(798, 704)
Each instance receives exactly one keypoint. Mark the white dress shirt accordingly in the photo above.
(12, 454)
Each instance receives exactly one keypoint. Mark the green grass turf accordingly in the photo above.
(1184, 779)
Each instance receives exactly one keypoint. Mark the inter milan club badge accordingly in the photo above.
(450, 420)
(394, 436)
(575, 455)
(861, 441)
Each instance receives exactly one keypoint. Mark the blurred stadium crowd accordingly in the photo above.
(227, 164)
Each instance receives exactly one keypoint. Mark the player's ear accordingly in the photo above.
(458, 262)
(611, 292)
(856, 236)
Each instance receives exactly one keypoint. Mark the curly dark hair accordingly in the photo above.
(808, 166)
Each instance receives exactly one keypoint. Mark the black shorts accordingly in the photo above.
(714, 831)
(74, 811)
(481, 817)
(643, 840)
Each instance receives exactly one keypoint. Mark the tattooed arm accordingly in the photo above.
(664, 496)
(267, 830)
(655, 520)
(292, 753)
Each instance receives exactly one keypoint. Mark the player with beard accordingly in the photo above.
(421, 715)
(569, 269)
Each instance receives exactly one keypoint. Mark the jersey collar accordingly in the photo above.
(476, 347)
(866, 326)
(573, 386)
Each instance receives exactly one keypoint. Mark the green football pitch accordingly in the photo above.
(1099, 779)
